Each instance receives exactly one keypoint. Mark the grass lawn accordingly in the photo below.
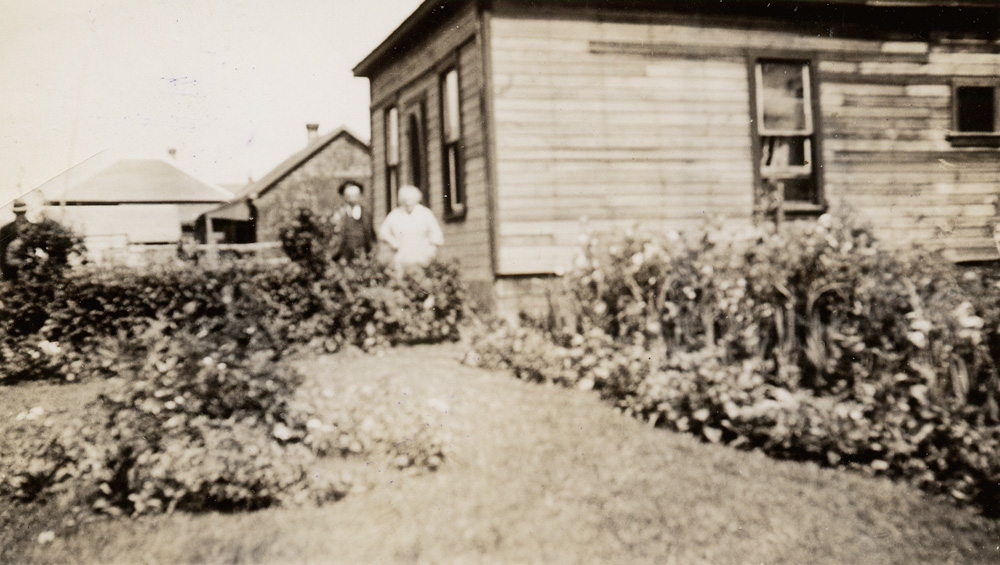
(539, 474)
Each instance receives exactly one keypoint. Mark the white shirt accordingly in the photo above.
(414, 235)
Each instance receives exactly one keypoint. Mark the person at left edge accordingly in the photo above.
(10, 243)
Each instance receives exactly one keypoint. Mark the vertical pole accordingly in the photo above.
(212, 255)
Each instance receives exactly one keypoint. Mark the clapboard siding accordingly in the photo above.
(887, 154)
(415, 75)
(636, 122)
(609, 140)
(420, 58)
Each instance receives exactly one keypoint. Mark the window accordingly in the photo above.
(391, 157)
(975, 114)
(451, 146)
(415, 136)
(975, 108)
(785, 119)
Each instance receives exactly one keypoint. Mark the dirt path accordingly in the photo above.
(539, 474)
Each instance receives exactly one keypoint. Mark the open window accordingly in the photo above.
(788, 157)
(975, 113)
(451, 146)
(391, 157)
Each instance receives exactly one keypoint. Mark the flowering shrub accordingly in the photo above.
(201, 423)
(205, 415)
(809, 342)
(587, 360)
(820, 300)
(883, 427)
(189, 429)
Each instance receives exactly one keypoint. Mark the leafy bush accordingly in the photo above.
(45, 249)
(806, 341)
(202, 423)
(360, 304)
(820, 300)
(189, 429)
(307, 239)
(206, 415)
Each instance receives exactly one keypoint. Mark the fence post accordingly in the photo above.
(212, 252)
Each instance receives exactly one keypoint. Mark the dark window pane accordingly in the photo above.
(976, 108)
(392, 136)
(799, 190)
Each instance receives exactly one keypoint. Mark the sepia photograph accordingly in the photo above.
(500, 281)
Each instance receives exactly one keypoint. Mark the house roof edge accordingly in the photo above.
(420, 17)
(430, 9)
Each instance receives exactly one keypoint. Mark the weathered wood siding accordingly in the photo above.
(626, 123)
(414, 75)
(887, 152)
(610, 137)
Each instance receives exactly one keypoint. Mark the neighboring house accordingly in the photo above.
(123, 204)
(307, 179)
(519, 118)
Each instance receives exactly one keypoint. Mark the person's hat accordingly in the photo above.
(20, 207)
(344, 186)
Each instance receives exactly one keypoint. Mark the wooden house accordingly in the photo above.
(310, 178)
(519, 118)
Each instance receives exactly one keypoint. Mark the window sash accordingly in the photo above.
(762, 99)
(777, 159)
(454, 197)
(391, 188)
(451, 144)
(451, 112)
(392, 136)
(786, 137)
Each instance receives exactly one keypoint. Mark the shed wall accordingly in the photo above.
(649, 123)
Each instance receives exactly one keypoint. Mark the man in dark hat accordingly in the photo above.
(10, 244)
(353, 224)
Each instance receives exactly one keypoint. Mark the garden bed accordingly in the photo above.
(539, 473)
(809, 342)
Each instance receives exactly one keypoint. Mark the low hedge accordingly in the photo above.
(808, 341)
(51, 328)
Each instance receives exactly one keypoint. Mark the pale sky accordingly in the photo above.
(229, 83)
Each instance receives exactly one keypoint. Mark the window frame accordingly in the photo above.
(453, 198)
(959, 138)
(812, 132)
(392, 158)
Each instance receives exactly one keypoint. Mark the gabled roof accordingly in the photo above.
(104, 179)
(432, 13)
(266, 182)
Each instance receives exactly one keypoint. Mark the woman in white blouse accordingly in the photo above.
(411, 230)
